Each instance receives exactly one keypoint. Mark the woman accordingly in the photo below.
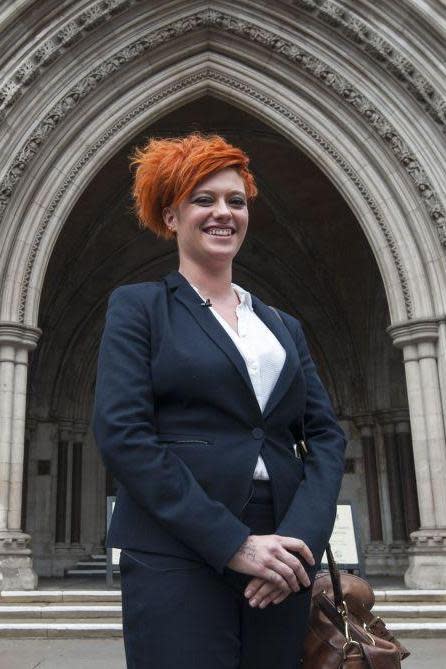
(202, 394)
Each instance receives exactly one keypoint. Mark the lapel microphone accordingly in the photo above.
(208, 303)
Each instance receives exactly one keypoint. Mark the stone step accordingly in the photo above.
(98, 629)
(425, 596)
(389, 613)
(72, 630)
(96, 571)
(47, 596)
(418, 611)
(29, 612)
(421, 630)
(90, 563)
(97, 613)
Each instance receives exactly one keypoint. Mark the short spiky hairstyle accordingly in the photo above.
(169, 169)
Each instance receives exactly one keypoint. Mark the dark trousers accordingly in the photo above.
(182, 614)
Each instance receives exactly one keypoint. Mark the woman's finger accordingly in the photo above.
(296, 565)
(275, 575)
(280, 598)
(293, 575)
(265, 594)
(298, 546)
(253, 586)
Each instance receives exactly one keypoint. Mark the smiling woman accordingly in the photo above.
(196, 413)
(169, 170)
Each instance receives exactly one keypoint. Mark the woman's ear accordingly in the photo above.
(169, 218)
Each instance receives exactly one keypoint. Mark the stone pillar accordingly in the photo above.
(407, 470)
(375, 551)
(386, 420)
(427, 554)
(80, 429)
(63, 453)
(16, 569)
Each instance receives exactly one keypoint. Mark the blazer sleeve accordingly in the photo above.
(312, 511)
(123, 425)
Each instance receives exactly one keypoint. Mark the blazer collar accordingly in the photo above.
(187, 295)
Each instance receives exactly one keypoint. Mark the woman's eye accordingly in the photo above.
(238, 202)
(203, 200)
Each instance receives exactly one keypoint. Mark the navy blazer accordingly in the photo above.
(178, 425)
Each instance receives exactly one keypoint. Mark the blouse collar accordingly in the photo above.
(244, 295)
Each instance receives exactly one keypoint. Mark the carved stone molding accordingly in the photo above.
(381, 50)
(56, 46)
(248, 90)
(429, 538)
(263, 38)
(415, 332)
(19, 335)
(352, 27)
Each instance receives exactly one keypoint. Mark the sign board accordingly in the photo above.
(112, 553)
(344, 540)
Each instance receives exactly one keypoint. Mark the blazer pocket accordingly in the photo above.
(187, 439)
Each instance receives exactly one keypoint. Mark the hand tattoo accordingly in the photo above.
(248, 550)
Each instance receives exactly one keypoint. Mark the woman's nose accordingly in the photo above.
(221, 208)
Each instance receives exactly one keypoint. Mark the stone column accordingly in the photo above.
(427, 554)
(80, 429)
(63, 455)
(386, 420)
(375, 551)
(16, 570)
(407, 470)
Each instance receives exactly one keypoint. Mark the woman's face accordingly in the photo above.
(211, 223)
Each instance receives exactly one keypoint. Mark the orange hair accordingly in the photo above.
(169, 169)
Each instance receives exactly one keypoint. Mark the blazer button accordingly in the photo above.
(258, 433)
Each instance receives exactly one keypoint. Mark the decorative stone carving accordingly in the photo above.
(248, 90)
(55, 46)
(386, 54)
(268, 40)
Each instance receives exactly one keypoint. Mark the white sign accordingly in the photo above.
(343, 539)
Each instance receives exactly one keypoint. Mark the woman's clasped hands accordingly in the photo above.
(277, 572)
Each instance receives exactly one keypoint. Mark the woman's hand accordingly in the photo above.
(261, 593)
(268, 557)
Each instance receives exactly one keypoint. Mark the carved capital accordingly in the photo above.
(429, 540)
(414, 332)
(19, 335)
(13, 542)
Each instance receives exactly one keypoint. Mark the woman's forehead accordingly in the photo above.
(225, 179)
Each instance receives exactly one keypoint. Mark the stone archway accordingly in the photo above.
(360, 136)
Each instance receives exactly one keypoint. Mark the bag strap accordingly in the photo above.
(332, 566)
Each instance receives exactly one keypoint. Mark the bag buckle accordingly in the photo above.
(368, 632)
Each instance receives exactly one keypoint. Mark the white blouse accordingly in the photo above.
(264, 355)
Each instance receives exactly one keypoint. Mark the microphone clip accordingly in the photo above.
(208, 303)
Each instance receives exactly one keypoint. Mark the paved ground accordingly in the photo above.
(108, 654)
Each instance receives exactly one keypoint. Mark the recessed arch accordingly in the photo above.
(341, 86)
(249, 93)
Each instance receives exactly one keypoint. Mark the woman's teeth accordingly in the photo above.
(219, 232)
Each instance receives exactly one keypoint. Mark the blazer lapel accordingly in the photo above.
(292, 361)
(187, 295)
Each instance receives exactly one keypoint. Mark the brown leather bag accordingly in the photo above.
(342, 630)
(343, 633)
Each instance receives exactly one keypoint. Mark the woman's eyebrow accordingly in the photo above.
(211, 192)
